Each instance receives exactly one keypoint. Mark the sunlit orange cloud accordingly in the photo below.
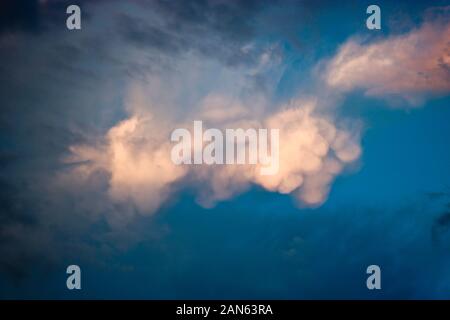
(410, 65)
(136, 153)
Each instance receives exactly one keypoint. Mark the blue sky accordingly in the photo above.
(64, 202)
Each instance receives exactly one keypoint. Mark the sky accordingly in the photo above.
(86, 176)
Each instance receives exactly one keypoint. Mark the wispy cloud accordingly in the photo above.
(412, 65)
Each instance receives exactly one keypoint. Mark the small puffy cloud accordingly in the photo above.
(411, 65)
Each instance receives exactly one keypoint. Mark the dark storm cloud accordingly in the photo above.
(216, 29)
(19, 15)
(34, 16)
(220, 29)
(233, 19)
(47, 104)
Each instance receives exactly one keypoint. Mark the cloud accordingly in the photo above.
(411, 65)
(86, 116)
(74, 122)
(215, 29)
(183, 86)
(314, 149)
(141, 169)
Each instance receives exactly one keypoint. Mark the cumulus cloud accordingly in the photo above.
(314, 149)
(411, 65)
